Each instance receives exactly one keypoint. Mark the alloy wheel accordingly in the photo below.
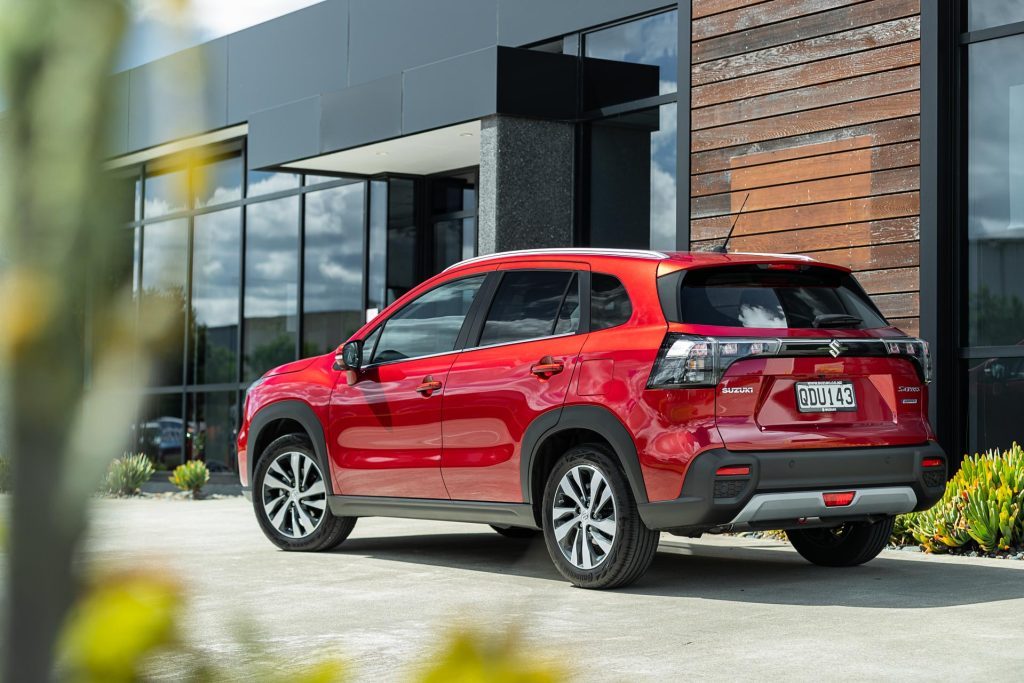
(583, 517)
(294, 494)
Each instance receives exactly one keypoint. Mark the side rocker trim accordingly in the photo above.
(290, 410)
(502, 514)
(591, 417)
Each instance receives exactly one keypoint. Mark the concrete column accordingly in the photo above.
(526, 184)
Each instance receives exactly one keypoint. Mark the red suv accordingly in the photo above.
(602, 397)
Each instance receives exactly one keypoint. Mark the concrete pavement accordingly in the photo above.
(717, 608)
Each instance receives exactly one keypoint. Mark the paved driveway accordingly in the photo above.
(717, 608)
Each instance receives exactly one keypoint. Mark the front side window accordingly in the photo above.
(430, 324)
(528, 305)
(758, 296)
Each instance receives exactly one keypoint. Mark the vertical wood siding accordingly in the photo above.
(808, 111)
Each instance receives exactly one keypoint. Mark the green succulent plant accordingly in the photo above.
(191, 476)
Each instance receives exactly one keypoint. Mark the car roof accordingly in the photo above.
(678, 259)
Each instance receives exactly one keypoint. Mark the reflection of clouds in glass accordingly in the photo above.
(215, 268)
(760, 316)
(271, 251)
(163, 255)
(262, 182)
(988, 13)
(663, 180)
(652, 40)
(218, 182)
(334, 249)
(166, 193)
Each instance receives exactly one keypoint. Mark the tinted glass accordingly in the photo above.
(216, 273)
(995, 184)
(454, 240)
(989, 13)
(163, 292)
(376, 296)
(995, 390)
(218, 182)
(271, 285)
(403, 238)
(569, 315)
(632, 180)
(166, 193)
(212, 429)
(428, 325)
(333, 292)
(526, 306)
(609, 302)
(652, 40)
(268, 182)
(758, 297)
(160, 433)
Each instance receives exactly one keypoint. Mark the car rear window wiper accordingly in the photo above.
(836, 320)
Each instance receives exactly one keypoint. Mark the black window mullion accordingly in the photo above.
(300, 303)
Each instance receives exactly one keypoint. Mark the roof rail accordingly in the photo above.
(564, 251)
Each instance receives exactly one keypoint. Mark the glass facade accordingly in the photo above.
(992, 312)
(630, 140)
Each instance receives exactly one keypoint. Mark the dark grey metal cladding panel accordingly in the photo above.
(390, 36)
(527, 21)
(290, 58)
(117, 131)
(536, 84)
(284, 133)
(360, 114)
(450, 91)
(163, 95)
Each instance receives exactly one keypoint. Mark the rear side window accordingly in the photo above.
(609, 303)
(770, 296)
(429, 324)
(530, 304)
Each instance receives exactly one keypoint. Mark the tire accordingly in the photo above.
(615, 559)
(844, 546)
(515, 531)
(290, 516)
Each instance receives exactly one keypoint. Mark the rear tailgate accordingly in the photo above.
(758, 408)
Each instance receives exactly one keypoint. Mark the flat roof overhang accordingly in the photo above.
(400, 123)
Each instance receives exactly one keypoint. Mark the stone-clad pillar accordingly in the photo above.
(526, 184)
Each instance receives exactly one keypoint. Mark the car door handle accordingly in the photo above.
(547, 367)
(428, 386)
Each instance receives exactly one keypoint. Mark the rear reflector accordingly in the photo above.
(833, 500)
(932, 462)
(733, 471)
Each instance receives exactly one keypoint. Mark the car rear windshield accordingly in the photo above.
(775, 296)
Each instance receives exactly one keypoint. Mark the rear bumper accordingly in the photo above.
(783, 488)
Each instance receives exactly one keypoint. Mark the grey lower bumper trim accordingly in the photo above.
(764, 507)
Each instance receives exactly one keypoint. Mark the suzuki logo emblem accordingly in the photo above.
(835, 348)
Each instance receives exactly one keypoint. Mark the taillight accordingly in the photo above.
(915, 349)
(839, 499)
(932, 462)
(690, 361)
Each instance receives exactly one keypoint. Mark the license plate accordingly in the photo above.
(825, 397)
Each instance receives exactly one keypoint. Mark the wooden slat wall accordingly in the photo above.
(808, 111)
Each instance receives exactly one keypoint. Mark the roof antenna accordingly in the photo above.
(723, 248)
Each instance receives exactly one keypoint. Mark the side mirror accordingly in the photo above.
(351, 356)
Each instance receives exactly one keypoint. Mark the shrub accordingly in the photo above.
(983, 504)
(191, 476)
(127, 474)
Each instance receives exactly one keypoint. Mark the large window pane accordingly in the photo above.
(403, 238)
(428, 325)
(333, 291)
(212, 429)
(166, 193)
(988, 13)
(633, 180)
(454, 241)
(164, 247)
(652, 42)
(215, 279)
(271, 285)
(268, 182)
(995, 206)
(995, 390)
(218, 182)
(376, 296)
(160, 433)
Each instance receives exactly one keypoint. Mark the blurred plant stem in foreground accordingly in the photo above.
(66, 306)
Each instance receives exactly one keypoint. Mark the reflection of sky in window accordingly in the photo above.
(215, 268)
(334, 249)
(166, 193)
(268, 182)
(996, 139)
(988, 13)
(219, 182)
(271, 265)
(163, 255)
(663, 180)
(651, 40)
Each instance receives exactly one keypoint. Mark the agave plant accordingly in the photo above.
(191, 476)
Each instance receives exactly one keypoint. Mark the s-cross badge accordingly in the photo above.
(835, 348)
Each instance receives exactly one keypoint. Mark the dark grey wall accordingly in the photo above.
(336, 45)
